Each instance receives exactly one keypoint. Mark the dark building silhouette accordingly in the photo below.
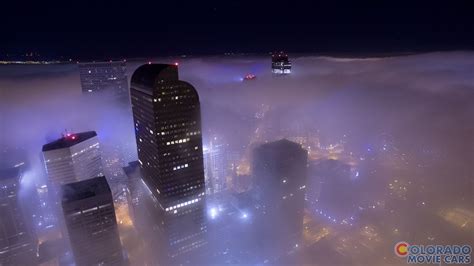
(279, 169)
(333, 190)
(167, 118)
(89, 216)
(108, 76)
(18, 243)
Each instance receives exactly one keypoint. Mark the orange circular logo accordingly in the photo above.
(401, 249)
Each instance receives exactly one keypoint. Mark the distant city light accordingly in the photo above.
(213, 213)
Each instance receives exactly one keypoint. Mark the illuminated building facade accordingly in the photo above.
(216, 166)
(280, 170)
(18, 244)
(74, 157)
(281, 64)
(167, 118)
(105, 77)
(89, 216)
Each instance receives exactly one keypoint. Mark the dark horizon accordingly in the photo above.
(102, 31)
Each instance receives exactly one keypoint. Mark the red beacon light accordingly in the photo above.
(70, 136)
(250, 77)
(176, 63)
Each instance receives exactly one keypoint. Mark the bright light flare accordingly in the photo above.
(213, 213)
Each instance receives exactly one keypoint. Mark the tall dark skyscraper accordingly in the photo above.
(280, 172)
(89, 216)
(18, 244)
(166, 114)
(108, 76)
(333, 190)
(167, 119)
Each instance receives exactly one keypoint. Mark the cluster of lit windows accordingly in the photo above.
(171, 163)
(184, 154)
(186, 238)
(190, 247)
(177, 206)
(83, 150)
(178, 124)
(174, 91)
(177, 141)
(193, 133)
(179, 130)
(183, 190)
(180, 167)
(90, 209)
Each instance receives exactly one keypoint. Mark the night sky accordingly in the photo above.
(92, 30)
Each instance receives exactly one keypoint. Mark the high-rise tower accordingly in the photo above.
(18, 244)
(89, 216)
(72, 158)
(167, 119)
(108, 76)
(280, 172)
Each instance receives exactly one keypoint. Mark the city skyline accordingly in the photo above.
(387, 134)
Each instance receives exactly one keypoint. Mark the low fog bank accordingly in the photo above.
(406, 118)
(423, 101)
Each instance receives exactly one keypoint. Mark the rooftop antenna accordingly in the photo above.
(66, 133)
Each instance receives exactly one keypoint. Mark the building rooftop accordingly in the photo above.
(85, 189)
(69, 140)
(280, 144)
(147, 75)
(8, 173)
(280, 57)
